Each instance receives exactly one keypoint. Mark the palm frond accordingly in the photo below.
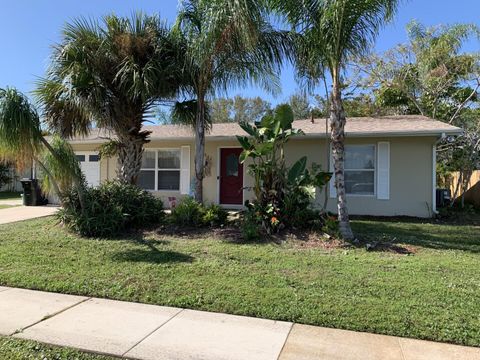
(20, 131)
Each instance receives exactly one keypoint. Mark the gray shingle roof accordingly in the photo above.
(406, 125)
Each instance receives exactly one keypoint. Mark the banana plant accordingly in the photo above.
(263, 148)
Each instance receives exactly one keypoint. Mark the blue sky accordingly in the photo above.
(29, 27)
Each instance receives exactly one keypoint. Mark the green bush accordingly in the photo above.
(110, 209)
(191, 213)
(250, 225)
(214, 215)
(188, 212)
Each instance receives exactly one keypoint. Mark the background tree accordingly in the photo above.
(431, 75)
(239, 109)
(333, 33)
(226, 43)
(111, 74)
(300, 104)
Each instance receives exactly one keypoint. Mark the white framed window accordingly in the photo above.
(160, 170)
(360, 169)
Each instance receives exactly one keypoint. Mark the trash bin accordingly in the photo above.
(29, 191)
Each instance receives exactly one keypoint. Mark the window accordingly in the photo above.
(80, 158)
(94, 158)
(360, 169)
(160, 170)
(232, 165)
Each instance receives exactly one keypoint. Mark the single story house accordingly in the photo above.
(390, 164)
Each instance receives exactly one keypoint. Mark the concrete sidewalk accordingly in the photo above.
(142, 331)
(20, 213)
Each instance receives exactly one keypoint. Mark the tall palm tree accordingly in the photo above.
(111, 74)
(334, 32)
(226, 43)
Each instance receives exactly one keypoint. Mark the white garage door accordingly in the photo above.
(90, 165)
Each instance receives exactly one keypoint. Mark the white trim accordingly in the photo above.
(185, 163)
(383, 170)
(332, 188)
(434, 179)
(331, 184)
(364, 134)
(217, 200)
(156, 169)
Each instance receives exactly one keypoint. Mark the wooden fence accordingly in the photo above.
(472, 195)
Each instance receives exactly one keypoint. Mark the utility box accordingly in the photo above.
(443, 197)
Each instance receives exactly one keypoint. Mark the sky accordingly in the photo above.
(28, 28)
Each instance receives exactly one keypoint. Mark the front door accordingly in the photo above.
(231, 177)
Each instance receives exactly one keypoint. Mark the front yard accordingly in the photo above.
(425, 285)
(16, 349)
(7, 195)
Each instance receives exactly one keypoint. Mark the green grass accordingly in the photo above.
(7, 206)
(15, 349)
(433, 293)
(7, 195)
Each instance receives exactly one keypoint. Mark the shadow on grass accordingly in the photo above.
(415, 233)
(152, 256)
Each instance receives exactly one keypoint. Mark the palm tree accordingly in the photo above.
(111, 74)
(225, 43)
(22, 140)
(334, 32)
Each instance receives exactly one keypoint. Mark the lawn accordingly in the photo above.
(15, 349)
(7, 206)
(427, 287)
(7, 195)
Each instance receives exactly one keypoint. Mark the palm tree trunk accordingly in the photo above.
(199, 148)
(337, 126)
(130, 156)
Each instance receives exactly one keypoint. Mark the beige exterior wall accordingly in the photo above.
(411, 172)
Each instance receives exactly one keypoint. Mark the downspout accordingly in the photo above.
(434, 174)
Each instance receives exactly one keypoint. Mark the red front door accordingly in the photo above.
(231, 177)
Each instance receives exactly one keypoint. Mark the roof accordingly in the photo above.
(403, 125)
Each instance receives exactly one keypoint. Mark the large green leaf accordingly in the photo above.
(284, 114)
(244, 142)
(264, 148)
(297, 170)
(248, 128)
(322, 178)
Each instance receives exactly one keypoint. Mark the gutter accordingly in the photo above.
(434, 173)
(306, 136)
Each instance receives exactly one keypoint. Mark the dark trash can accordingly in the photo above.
(32, 194)
(29, 191)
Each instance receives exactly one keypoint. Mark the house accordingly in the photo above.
(389, 168)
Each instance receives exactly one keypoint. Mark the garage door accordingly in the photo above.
(90, 165)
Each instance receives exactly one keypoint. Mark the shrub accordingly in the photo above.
(215, 215)
(110, 209)
(188, 212)
(191, 213)
(250, 225)
(4, 174)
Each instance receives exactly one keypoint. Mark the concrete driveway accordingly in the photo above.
(11, 202)
(20, 213)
